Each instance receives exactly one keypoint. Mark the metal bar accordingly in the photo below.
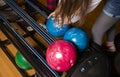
(7, 6)
(24, 26)
(41, 6)
(37, 9)
(22, 49)
(40, 30)
(31, 49)
(6, 51)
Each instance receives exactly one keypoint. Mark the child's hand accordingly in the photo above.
(58, 20)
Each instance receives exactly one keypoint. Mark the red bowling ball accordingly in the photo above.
(61, 55)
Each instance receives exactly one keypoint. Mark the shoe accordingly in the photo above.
(109, 48)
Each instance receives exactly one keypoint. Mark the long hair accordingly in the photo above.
(71, 8)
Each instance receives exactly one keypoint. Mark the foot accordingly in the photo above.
(109, 46)
(111, 49)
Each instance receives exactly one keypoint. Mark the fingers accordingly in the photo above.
(58, 20)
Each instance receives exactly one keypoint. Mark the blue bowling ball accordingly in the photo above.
(78, 37)
(56, 30)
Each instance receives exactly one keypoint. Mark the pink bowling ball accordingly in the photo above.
(61, 55)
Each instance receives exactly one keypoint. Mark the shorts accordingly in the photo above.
(112, 8)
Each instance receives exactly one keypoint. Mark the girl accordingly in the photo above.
(71, 11)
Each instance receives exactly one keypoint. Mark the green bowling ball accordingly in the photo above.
(22, 62)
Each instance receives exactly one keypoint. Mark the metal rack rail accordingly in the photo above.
(33, 57)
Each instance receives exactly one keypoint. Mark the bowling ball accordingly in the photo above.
(117, 42)
(56, 29)
(61, 55)
(22, 62)
(78, 37)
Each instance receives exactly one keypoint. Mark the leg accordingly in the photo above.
(110, 39)
(102, 24)
(111, 33)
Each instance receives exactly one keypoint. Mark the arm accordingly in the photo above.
(93, 4)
